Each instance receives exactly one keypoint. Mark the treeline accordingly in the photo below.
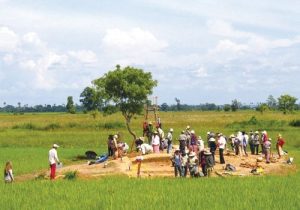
(38, 108)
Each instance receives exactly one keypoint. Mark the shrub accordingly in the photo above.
(113, 125)
(28, 126)
(295, 123)
(52, 126)
(71, 175)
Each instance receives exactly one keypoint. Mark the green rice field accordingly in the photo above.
(26, 139)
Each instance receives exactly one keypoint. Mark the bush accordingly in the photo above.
(71, 175)
(113, 125)
(52, 126)
(28, 126)
(295, 123)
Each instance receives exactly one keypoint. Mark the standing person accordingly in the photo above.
(169, 139)
(231, 140)
(252, 142)
(241, 145)
(267, 148)
(193, 142)
(264, 138)
(209, 163)
(8, 173)
(188, 136)
(155, 142)
(256, 142)
(109, 145)
(145, 128)
(245, 142)
(222, 144)
(193, 164)
(279, 145)
(150, 132)
(114, 145)
(182, 142)
(200, 144)
(177, 160)
(161, 135)
(159, 122)
(53, 159)
(212, 145)
(184, 164)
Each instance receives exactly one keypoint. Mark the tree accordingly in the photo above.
(164, 107)
(70, 105)
(125, 90)
(262, 108)
(91, 99)
(227, 107)
(235, 105)
(286, 103)
(271, 102)
(178, 103)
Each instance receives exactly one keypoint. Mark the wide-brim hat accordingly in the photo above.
(207, 152)
(142, 138)
(155, 132)
(55, 146)
(192, 154)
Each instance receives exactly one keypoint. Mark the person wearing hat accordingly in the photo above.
(245, 142)
(267, 148)
(264, 138)
(182, 142)
(193, 142)
(193, 164)
(279, 145)
(208, 163)
(184, 164)
(53, 159)
(188, 136)
(138, 142)
(155, 142)
(145, 148)
(256, 142)
(161, 135)
(251, 142)
(200, 144)
(212, 145)
(169, 140)
(231, 140)
(177, 160)
(222, 145)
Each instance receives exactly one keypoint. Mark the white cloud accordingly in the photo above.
(84, 56)
(8, 58)
(8, 40)
(134, 40)
(201, 72)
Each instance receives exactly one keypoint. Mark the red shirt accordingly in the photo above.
(280, 142)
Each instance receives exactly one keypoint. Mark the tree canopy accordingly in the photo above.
(286, 103)
(126, 90)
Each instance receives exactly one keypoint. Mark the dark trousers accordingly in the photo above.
(184, 171)
(256, 149)
(204, 169)
(245, 150)
(177, 170)
(213, 154)
(252, 148)
(221, 151)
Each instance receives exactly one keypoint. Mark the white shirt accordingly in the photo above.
(201, 144)
(9, 176)
(161, 133)
(146, 148)
(53, 156)
(155, 140)
(222, 142)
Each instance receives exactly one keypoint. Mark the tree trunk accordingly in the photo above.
(130, 131)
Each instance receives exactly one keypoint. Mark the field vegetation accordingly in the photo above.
(25, 140)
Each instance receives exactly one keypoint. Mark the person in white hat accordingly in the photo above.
(256, 142)
(169, 139)
(53, 159)
(193, 164)
(267, 147)
(155, 142)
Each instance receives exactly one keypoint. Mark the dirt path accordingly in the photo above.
(159, 165)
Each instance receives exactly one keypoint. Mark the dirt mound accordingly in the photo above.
(159, 165)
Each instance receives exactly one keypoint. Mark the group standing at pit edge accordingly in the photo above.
(192, 153)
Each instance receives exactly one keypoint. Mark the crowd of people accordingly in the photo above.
(192, 153)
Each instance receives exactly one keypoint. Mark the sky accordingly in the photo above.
(199, 51)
